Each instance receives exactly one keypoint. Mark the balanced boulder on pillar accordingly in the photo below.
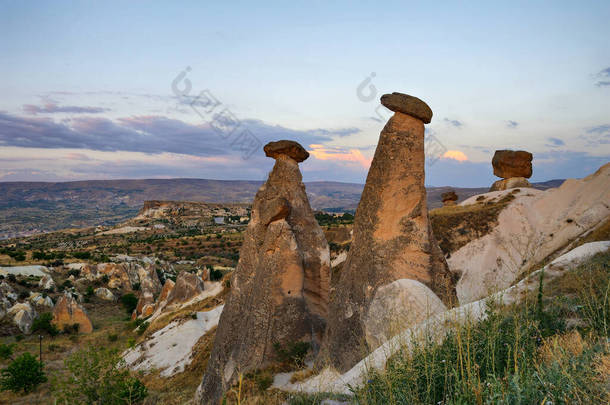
(392, 240)
(279, 292)
(515, 167)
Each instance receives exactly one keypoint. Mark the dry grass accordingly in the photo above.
(186, 312)
(455, 226)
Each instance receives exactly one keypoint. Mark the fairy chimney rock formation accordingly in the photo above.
(392, 240)
(279, 291)
(67, 312)
(449, 198)
(515, 167)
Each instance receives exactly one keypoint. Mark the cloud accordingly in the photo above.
(150, 134)
(597, 135)
(512, 124)
(341, 132)
(455, 155)
(599, 129)
(455, 123)
(51, 108)
(563, 164)
(555, 142)
(322, 152)
(603, 77)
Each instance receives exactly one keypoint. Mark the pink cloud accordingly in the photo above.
(455, 155)
(329, 153)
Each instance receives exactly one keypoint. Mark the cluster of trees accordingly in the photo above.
(14, 253)
(325, 219)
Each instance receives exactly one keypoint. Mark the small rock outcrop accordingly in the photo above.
(150, 286)
(515, 167)
(68, 312)
(392, 240)
(7, 298)
(449, 198)
(279, 291)
(187, 287)
(23, 316)
(104, 294)
(47, 282)
(167, 288)
(41, 300)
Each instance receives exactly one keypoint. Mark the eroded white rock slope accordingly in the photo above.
(170, 349)
(532, 227)
(436, 326)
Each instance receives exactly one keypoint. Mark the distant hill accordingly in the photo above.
(34, 207)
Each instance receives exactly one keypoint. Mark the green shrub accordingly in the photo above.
(90, 291)
(142, 327)
(44, 324)
(293, 353)
(97, 375)
(262, 378)
(73, 272)
(71, 329)
(130, 302)
(6, 351)
(23, 374)
(113, 337)
(215, 275)
(82, 255)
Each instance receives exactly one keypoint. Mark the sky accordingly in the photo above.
(152, 89)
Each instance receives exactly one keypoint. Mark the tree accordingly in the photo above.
(44, 323)
(23, 374)
(129, 301)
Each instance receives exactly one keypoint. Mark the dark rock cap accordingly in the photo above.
(407, 105)
(289, 148)
(449, 196)
(512, 163)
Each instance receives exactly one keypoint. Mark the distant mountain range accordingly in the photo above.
(34, 207)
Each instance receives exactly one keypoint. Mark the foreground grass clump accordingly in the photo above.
(517, 355)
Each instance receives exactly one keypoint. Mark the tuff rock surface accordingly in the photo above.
(512, 182)
(68, 312)
(392, 239)
(279, 290)
(511, 163)
(449, 198)
(403, 103)
(150, 286)
(533, 226)
(23, 316)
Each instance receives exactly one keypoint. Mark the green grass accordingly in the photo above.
(517, 355)
(551, 349)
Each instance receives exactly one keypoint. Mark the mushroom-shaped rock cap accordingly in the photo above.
(449, 196)
(289, 148)
(409, 105)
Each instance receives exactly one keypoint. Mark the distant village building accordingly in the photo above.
(219, 220)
